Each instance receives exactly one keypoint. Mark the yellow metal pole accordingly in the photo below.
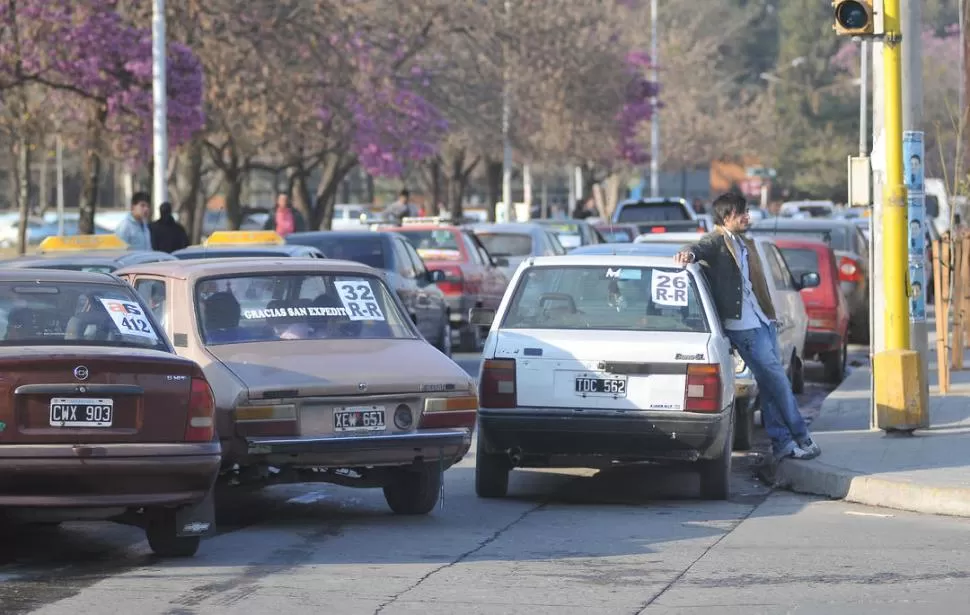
(895, 253)
(901, 404)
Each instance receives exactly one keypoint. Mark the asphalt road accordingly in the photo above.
(625, 542)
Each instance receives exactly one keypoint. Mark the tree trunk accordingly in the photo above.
(23, 188)
(189, 205)
(335, 168)
(298, 180)
(370, 189)
(493, 172)
(43, 194)
(436, 187)
(92, 173)
(234, 187)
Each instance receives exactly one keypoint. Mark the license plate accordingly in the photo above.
(370, 418)
(82, 412)
(612, 387)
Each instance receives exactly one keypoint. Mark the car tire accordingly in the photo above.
(163, 539)
(444, 343)
(797, 376)
(744, 425)
(491, 472)
(834, 363)
(471, 338)
(715, 474)
(414, 492)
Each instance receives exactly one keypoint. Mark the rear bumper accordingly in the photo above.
(620, 436)
(106, 475)
(821, 341)
(363, 450)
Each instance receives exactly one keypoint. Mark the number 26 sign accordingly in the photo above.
(667, 288)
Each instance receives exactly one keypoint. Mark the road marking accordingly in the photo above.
(867, 514)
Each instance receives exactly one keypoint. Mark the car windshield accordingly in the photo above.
(800, 261)
(366, 249)
(660, 211)
(607, 298)
(506, 244)
(434, 244)
(835, 236)
(275, 307)
(68, 313)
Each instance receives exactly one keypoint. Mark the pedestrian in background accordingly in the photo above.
(285, 219)
(134, 229)
(167, 234)
(744, 303)
(401, 208)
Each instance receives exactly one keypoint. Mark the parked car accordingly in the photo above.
(852, 251)
(318, 374)
(516, 241)
(473, 277)
(406, 273)
(670, 214)
(100, 418)
(572, 233)
(603, 359)
(619, 232)
(827, 337)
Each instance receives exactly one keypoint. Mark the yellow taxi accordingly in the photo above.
(94, 253)
(246, 244)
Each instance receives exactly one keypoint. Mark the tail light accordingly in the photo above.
(849, 270)
(441, 412)
(703, 391)
(821, 319)
(201, 423)
(498, 384)
(454, 282)
(658, 229)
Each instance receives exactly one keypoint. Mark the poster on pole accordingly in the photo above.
(917, 294)
(913, 161)
(916, 215)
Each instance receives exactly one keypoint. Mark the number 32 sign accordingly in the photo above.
(669, 288)
(359, 301)
(129, 318)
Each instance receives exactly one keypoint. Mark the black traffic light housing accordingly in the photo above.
(853, 17)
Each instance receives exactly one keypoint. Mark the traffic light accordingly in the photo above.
(853, 17)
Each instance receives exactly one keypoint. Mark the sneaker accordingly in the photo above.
(809, 445)
(802, 455)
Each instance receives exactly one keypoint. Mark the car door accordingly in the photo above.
(495, 280)
(431, 305)
(404, 272)
(155, 293)
(789, 306)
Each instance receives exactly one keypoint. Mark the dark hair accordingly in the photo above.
(727, 204)
(916, 156)
(140, 197)
(916, 285)
(165, 209)
(405, 194)
(912, 222)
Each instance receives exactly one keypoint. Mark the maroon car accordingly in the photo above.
(99, 418)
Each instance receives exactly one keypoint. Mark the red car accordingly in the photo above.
(827, 338)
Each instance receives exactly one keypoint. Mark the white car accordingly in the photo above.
(604, 359)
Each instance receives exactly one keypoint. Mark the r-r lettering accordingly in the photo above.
(680, 295)
(355, 310)
(373, 310)
(661, 294)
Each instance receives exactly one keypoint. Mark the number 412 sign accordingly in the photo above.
(668, 288)
(129, 318)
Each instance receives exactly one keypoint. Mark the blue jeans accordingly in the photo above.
(783, 422)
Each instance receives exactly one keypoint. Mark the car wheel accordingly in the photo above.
(163, 538)
(834, 363)
(444, 343)
(797, 375)
(744, 425)
(471, 338)
(491, 472)
(715, 474)
(413, 492)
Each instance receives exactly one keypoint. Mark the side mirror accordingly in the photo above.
(436, 275)
(809, 280)
(480, 316)
(500, 261)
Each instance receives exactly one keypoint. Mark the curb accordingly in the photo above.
(816, 478)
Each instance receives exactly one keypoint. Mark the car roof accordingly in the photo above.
(212, 267)
(423, 227)
(256, 251)
(60, 275)
(644, 249)
(612, 260)
(669, 238)
(802, 223)
(787, 241)
(516, 228)
(93, 257)
(341, 233)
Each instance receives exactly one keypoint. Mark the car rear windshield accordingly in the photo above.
(434, 244)
(801, 261)
(506, 244)
(616, 235)
(653, 212)
(607, 298)
(68, 313)
(836, 236)
(270, 308)
(366, 249)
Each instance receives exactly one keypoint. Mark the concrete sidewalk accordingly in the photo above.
(928, 472)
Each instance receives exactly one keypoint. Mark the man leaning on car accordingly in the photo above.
(744, 304)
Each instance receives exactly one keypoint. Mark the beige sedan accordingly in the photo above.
(318, 374)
